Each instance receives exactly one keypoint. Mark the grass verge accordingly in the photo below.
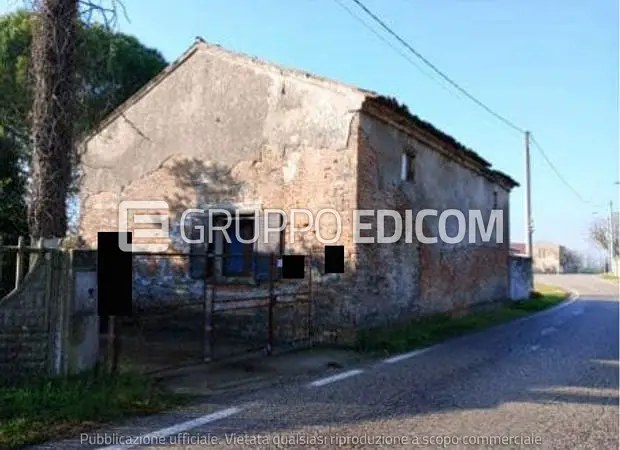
(436, 328)
(610, 276)
(57, 408)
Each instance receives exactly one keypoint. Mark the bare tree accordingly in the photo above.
(600, 233)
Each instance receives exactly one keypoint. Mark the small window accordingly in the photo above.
(495, 200)
(235, 258)
(407, 167)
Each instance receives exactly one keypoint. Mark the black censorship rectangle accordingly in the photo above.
(114, 275)
(334, 259)
(293, 266)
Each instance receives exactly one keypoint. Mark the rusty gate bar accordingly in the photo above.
(310, 300)
(208, 301)
(224, 317)
(211, 329)
(272, 302)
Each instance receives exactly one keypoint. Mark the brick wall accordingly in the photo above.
(420, 278)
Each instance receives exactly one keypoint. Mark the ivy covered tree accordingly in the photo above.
(108, 67)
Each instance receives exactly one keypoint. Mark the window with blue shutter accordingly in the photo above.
(239, 254)
(265, 247)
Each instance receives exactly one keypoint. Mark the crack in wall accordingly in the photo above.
(134, 126)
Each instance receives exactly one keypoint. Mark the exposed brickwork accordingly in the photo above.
(426, 278)
(102, 214)
(459, 278)
(387, 276)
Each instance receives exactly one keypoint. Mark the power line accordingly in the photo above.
(437, 70)
(390, 44)
(557, 172)
(454, 84)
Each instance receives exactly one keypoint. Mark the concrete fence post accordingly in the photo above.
(34, 256)
(66, 297)
(55, 301)
(81, 326)
(19, 264)
(58, 303)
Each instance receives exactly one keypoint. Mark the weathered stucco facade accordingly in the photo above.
(217, 128)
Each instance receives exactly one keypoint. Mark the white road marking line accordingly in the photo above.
(578, 312)
(548, 330)
(203, 420)
(569, 301)
(574, 295)
(175, 429)
(337, 377)
(401, 357)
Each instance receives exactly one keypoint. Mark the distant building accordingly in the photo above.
(518, 248)
(548, 257)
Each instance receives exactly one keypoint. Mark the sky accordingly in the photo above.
(550, 66)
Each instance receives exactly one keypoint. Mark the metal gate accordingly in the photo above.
(179, 319)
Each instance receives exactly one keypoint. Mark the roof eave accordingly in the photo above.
(506, 180)
(383, 105)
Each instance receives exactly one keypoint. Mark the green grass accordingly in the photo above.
(56, 408)
(436, 328)
(610, 276)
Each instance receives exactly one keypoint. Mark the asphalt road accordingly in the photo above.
(550, 380)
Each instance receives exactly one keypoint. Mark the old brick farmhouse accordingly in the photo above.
(221, 129)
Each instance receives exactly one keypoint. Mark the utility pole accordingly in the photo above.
(528, 199)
